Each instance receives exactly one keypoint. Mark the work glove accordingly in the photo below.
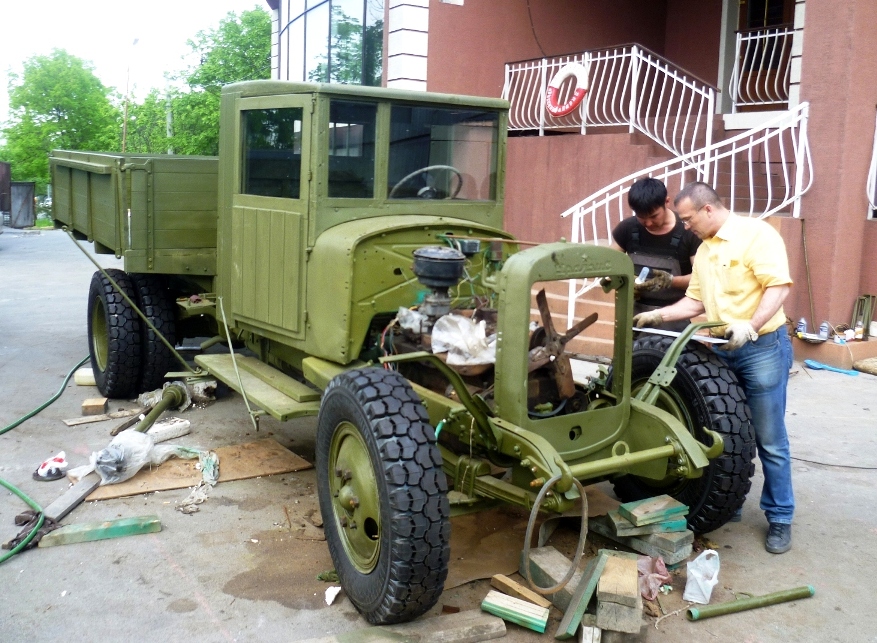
(738, 335)
(660, 280)
(650, 318)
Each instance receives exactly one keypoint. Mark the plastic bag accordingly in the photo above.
(464, 340)
(652, 574)
(126, 454)
(703, 574)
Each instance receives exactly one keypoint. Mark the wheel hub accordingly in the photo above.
(355, 501)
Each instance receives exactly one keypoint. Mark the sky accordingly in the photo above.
(103, 32)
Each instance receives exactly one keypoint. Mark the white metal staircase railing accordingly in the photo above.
(757, 173)
(627, 85)
(763, 68)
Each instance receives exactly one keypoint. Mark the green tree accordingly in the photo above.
(56, 103)
(238, 49)
(147, 125)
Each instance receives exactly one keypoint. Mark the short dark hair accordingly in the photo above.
(645, 195)
(700, 194)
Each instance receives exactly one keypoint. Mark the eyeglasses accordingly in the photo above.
(687, 220)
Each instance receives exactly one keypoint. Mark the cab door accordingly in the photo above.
(269, 215)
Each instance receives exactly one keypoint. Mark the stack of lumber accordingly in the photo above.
(654, 527)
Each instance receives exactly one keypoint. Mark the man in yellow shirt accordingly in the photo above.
(741, 277)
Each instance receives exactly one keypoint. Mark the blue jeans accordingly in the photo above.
(762, 367)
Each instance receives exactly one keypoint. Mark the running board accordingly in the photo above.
(281, 396)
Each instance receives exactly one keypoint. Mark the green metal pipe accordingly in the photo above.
(173, 395)
(708, 611)
(619, 462)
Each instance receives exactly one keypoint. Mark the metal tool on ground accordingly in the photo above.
(730, 607)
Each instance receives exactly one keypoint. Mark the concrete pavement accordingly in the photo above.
(236, 570)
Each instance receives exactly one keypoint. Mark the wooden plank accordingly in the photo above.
(515, 610)
(624, 527)
(646, 544)
(513, 588)
(260, 458)
(115, 415)
(71, 498)
(582, 597)
(89, 531)
(469, 626)
(657, 509)
(618, 582)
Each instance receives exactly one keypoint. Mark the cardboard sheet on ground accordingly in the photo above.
(490, 542)
(237, 462)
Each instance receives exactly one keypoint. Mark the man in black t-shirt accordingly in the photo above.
(655, 238)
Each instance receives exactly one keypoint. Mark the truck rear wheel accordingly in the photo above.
(704, 393)
(155, 301)
(383, 495)
(114, 341)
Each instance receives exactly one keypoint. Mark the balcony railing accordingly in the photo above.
(757, 173)
(761, 74)
(628, 85)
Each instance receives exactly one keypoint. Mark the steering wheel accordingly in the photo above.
(549, 345)
(429, 192)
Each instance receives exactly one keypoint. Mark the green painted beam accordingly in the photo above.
(87, 531)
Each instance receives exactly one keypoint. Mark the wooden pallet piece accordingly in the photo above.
(90, 531)
(94, 406)
(515, 610)
(624, 527)
(673, 547)
(651, 510)
(618, 582)
(619, 618)
(513, 588)
(547, 568)
(582, 597)
(70, 499)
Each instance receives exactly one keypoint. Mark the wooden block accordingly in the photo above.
(652, 545)
(618, 582)
(657, 509)
(619, 618)
(515, 610)
(88, 531)
(547, 568)
(591, 634)
(513, 588)
(582, 597)
(624, 527)
(470, 626)
(71, 498)
(94, 406)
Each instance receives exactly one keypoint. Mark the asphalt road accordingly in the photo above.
(243, 568)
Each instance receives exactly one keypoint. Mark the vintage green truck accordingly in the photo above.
(348, 245)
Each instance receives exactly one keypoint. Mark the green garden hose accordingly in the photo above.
(33, 531)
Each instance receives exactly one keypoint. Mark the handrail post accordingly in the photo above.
(707, 150)
(736, 75)
(634, 83)
(585, 108)
(800, 152)
(543, 88)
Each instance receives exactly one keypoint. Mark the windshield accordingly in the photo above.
(442, 153)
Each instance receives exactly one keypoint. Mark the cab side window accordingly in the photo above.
(272, 152)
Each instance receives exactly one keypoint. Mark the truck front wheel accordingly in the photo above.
(704, 393)
(114, 341)
(383, 495)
